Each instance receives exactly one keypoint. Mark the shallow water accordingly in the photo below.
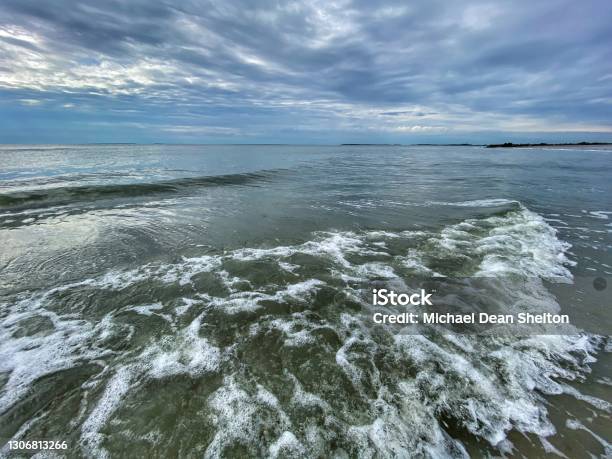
(211, 300)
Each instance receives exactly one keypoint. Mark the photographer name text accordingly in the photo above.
(384, 297)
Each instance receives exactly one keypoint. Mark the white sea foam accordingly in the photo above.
(117, 387)
(601, 214)
(187, 304)
(147, 309)
(242, 417)
(483, 385)
(574, 424)
(242, 301)
(526, 245)
(477, 203)
(288, 266)
(287, 445)
(61, 345)
(185, 353)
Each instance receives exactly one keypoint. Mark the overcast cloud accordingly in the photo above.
(305, 72)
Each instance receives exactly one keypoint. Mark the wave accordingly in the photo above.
(297, 366)
(43, 197)
(20, 148)
(477, 203)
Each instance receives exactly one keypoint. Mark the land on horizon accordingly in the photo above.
(491, 145)
(544, 144)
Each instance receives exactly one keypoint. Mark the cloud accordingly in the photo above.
(30, 101)
(327, 67)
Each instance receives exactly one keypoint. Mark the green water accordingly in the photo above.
(213, 301)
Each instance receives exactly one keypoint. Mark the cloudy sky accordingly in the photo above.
(318, 71)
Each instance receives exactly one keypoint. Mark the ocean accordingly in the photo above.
(214, 301)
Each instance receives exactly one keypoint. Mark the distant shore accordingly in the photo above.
(492, 145)
(523, 145)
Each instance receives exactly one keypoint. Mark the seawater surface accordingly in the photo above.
(212, 301)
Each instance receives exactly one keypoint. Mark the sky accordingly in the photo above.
(317, 71)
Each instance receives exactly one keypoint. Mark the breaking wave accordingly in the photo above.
(277, 349)
(44, 197)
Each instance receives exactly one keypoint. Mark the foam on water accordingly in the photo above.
(188, 352)
(477, 203)
(376, 392)
(240, 417)
(577, 425)
(116, 388)
(57, 343)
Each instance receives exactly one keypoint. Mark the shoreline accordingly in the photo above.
(527, 145)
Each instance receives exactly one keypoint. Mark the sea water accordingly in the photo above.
(215, 300)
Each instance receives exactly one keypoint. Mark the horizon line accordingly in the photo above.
(356, 144)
